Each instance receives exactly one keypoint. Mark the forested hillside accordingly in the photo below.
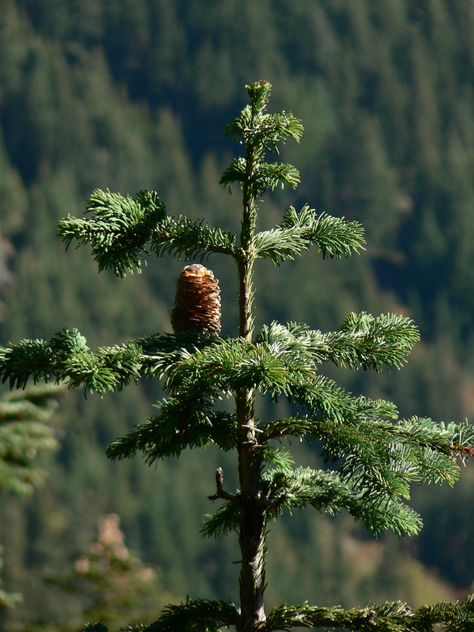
(135, 94)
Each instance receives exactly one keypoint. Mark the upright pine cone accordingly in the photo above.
(197, 306)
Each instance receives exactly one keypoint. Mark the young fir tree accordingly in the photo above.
(373, 457)
(24, 433)
(111, 582)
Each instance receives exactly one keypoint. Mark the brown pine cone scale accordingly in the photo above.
(197, 306)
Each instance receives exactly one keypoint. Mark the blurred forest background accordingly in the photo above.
(133, 94)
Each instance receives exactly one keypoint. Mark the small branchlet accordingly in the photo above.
(221, 493)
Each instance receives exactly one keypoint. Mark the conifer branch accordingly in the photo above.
(277, 128)
(118, 228)
(388, 617)
(233, 364)
(265, 175)
(421, 449)
(326, 491)
(271, 368)
(28, 358)
(363, 341)
(278, 458)
(123, 231)
(378, 460)
(450, 440)
(282, 363)
(330, 493)
(163, 351)
(324, 400)
(369, 342)
(270, 176)
(183, 423)
(235, 172)
(190, 239)
(200, 615)
(334, 237)
(459, 615)
(67, 357)
(223, 521)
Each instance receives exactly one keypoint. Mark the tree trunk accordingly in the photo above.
(253, 517)
(252, 575)
(253, 521)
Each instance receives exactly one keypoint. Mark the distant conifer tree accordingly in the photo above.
(373, 456)
(112, 583)
(24, 433)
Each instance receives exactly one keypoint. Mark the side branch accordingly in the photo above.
(221, 493)
(388, 617)
(123, 231)
(334, 237)
(118, 228)
(362, 342)
(67, 357)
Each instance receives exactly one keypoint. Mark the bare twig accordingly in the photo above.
(220, 491)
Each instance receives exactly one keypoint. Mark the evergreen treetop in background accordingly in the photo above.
(372, 456)
(24, 433)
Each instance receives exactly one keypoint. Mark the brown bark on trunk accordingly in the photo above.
(253, 517)
(253, 520)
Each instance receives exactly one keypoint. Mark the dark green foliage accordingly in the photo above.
(7, 599)
(363, 341)
(334, 237)
(196, 616)
(188, 422)
(124, 230)
(25, 432)
(389, 617)
(118, 230)
(67, 358)
(327, 492)
(189, 239)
